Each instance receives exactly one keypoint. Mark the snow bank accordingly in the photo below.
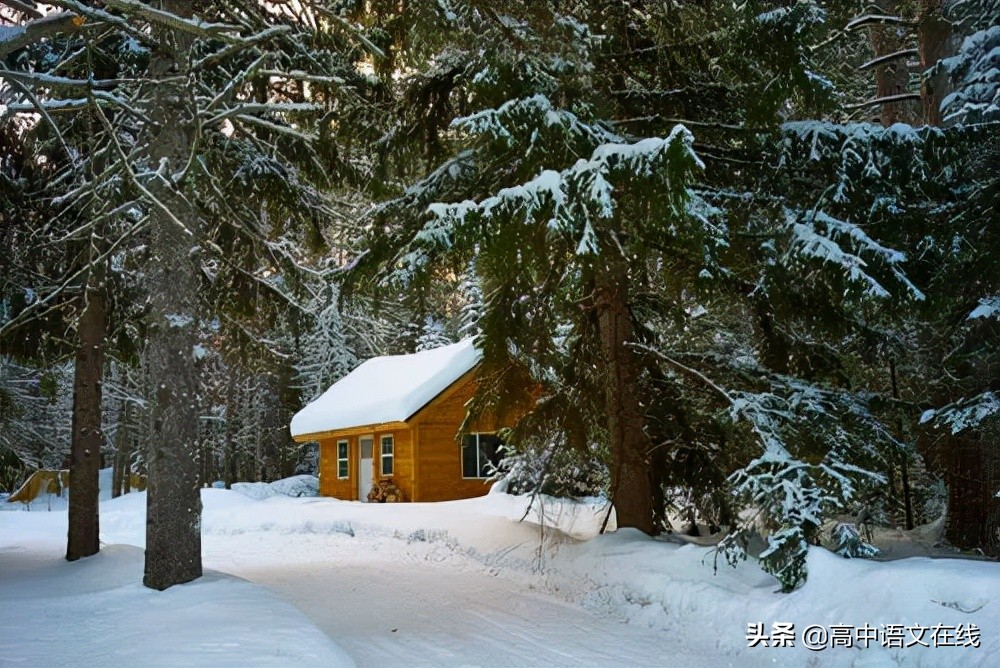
(300, 485)
(95, 612)
(386, 389)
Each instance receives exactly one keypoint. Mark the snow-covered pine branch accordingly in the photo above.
(817, 235)
(573, 199)
(965, 413)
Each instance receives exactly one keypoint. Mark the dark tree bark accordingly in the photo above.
(933, 34)
(892, 77)
(173, 511)
(971, 458)
(83, 538)
(973, 474)
(902, 454)
(122, 473)
(631, 486)
(229, 463)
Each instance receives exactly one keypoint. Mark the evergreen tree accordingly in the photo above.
(204, 130)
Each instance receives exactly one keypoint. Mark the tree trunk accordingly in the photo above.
(173, 510)
(892, 77)
(120, 473)
(971, 458)
(83, 538)
(973, 477)
(932, 34)
(230, 455)
(902, 453)
(631, 487)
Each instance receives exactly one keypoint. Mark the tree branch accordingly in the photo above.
(23, 7)
(888, 99)
(869, 19)
(18, 37)
(172, 21)
(887, 58)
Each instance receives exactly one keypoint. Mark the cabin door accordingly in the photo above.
(365, 467)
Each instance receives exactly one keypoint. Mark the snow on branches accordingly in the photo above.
(571, 200)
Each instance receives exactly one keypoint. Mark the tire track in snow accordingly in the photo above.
(411, 613)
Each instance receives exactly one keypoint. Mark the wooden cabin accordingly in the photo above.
(396, 419)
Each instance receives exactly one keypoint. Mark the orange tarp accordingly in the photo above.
(41, 481)
(44, 481)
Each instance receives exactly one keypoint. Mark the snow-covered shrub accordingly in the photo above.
(553, 470)
(850, 544)
(935, 501)
(300, 485)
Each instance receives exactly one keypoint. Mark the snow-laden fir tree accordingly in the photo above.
(323, 351)
(431, 334)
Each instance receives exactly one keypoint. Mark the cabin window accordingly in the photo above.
(387, 447)
(480, 455)
(342, 459)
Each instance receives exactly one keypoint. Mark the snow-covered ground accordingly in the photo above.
(311, 581)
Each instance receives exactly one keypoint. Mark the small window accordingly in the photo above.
(480, 455)
(387, 455)
(342, 469)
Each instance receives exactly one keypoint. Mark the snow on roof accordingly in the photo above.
(386, 389)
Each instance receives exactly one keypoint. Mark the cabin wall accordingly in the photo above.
(402, 474)
(329, 483)
(439, 452)
(347, 489)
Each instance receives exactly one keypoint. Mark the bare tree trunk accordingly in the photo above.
(631, 486)
(173, 510)
(83, 538)
(932, 34)
(120, 473)
(230, 445)
(904, 457)
(972, 463)
(893, 76)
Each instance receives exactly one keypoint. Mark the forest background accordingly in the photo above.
(748, 253)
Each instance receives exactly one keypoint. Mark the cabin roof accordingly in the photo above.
(386, 389)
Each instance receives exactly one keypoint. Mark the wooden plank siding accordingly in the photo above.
(329, 484)
(427, 462)
(440, 451)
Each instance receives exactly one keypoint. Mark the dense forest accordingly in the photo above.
(745, 255)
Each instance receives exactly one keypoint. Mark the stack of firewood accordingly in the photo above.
(385, 491)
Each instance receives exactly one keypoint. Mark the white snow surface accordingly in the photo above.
(299, 485)
(386, 389)
(460, 583)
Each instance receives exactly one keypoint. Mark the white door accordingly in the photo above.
(365, 467)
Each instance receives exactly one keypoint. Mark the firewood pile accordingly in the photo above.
(385, 491)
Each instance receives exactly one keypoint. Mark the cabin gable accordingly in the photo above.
(436, 429)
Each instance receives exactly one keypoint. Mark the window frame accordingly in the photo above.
(479, 452)
(346, 459)
(383, 455)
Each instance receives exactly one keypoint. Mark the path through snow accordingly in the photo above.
(425, 615)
